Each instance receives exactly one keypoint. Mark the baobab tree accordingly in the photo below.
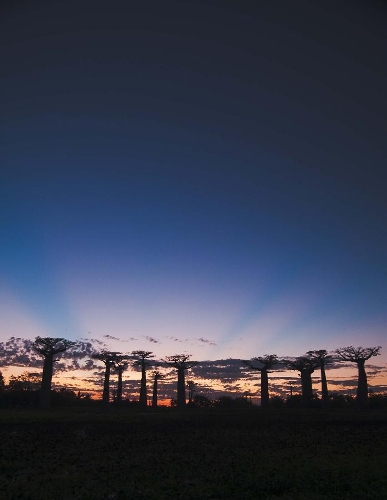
(359, 355)
(182, 363)
(306, 366)
(322, 358)
(142, 357)
(156, 377)
(191, 386)
(263, 364)
(108, 358)
(120, 364)
(49, 348)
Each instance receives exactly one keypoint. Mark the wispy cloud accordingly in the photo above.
(206, 341)
(95, 341)
(151, 339)
(175, 339)
(117, 339)
(111, 337)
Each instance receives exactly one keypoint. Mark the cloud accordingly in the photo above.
(225, 370)
(206, 341)
(81, 349)
(95, 341)
(375, 370)
(151, 339)
(117, 339)
(349, 382)
(19, 352)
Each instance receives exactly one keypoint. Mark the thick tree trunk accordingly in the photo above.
(45, 388)
(119, 386)
(105, 394)
(306, 387)
(180, 387)
(264, 388)
(154, 396)
(324, 387)
(143, 394)
(362, 385)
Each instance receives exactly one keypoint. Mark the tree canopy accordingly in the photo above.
(355, 354)
(49, 346)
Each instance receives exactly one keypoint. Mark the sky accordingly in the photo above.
(200, 177)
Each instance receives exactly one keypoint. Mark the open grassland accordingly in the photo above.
(287, 455)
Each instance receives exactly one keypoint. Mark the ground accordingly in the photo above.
(208, 454)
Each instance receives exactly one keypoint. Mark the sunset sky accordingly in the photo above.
(201, 176)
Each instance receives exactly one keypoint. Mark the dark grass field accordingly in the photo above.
(287, 455)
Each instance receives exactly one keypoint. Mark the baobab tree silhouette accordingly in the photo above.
(306, 366)
(263, 364)
(108, 358)
(191, 386)
(142, 357)
(182, 363)
(49, 348)
(156, 377)
(120, 364)
(322, 358)
(359, 355)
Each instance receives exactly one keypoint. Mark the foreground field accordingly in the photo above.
(193, 455)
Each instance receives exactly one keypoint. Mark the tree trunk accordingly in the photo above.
(306, 387)
(45, 388)
(119, 386)
(105, 394)
(324, 387)
(362, 385)
(143, 394)
(181, 387)
(154, 397)
(264, 388)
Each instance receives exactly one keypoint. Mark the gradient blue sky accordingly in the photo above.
(208, 175)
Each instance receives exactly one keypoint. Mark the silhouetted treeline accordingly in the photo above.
(52, 350)
(336, 401)
(62, 398)
(65, 398)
